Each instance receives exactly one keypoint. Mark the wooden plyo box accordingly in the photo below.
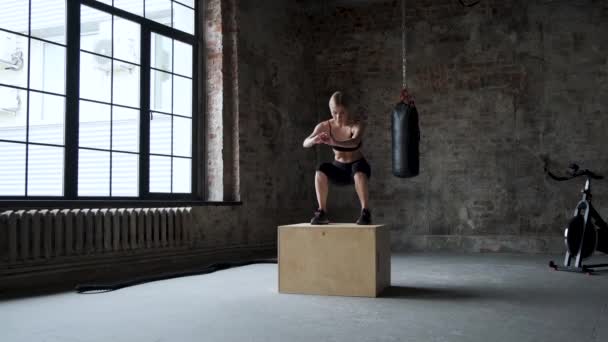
(340, 259)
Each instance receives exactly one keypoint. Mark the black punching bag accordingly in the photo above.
(406, 140)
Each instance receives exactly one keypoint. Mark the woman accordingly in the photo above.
(344, 136)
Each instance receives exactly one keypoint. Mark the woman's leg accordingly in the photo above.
(361, 187)
(322, 188)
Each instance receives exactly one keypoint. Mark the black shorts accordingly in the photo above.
(344, 173)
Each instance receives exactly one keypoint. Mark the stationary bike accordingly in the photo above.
(586, 232)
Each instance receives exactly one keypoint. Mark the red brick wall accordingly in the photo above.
(213, 92)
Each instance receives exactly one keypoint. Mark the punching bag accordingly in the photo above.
(406, 139)
(405, 129)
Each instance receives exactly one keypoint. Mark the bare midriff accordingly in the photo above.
(347, 157)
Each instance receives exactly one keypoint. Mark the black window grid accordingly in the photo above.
(72, 99)
(28, 90)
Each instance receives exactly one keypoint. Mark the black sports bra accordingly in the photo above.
(343, 149)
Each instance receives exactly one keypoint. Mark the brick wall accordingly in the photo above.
(499, 86)
(212, 91)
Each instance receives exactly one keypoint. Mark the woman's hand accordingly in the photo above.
(318, 136)
(323, 138)
(316, 140)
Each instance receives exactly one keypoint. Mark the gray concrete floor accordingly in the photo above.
(438, 297)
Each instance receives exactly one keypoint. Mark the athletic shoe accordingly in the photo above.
(320, 217)
(365, 218)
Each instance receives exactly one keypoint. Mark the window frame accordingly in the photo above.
(70, 198)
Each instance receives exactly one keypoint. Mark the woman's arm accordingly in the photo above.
(352, 142)
(318, 136)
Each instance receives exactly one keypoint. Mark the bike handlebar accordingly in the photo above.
(575, 173)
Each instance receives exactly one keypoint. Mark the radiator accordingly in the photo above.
(40, 235)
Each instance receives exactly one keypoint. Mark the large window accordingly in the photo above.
(96, 99)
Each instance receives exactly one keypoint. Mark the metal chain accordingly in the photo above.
(403, 44)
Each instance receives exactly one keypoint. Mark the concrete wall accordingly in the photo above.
(275, 92)
(499, 86)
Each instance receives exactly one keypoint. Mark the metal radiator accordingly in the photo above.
(39, 235)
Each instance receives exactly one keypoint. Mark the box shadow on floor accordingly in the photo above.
(433, 293)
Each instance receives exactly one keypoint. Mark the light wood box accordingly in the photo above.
(340, 259)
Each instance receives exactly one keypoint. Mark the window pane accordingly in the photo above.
(182, 174)
(47, 67)
(182, 136)
(45, 171)
(161, 56)
(127, 42)
(93, 173)
(160, 133)
(47, 118)
(133, 6)
(94, 121)
(12, 172)
(48, 20)
(160, 174)
(13, 114)
(160, 91)
(183, 18)
(182, 96)
(183, 58)
(13, 49)
(159, 10)
(124, 174)
(95, 31)
(126, 84)
(95, 81)
(14, 15)
(125, 129)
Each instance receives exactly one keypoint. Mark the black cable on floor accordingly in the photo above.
(101, 288)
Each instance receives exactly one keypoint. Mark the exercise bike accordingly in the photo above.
(586, 232)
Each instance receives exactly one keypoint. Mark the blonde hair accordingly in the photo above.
(339, 99)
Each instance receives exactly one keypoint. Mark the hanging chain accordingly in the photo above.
(403, 44)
